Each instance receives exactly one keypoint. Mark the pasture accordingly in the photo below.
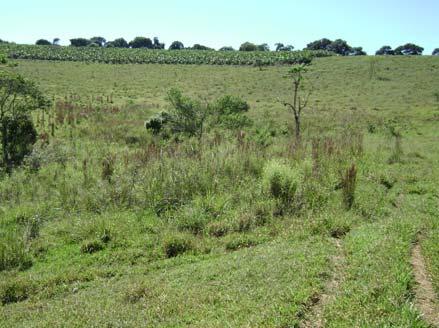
(106, 224)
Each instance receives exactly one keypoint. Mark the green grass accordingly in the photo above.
(196, 234)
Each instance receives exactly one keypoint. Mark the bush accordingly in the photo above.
(192, 219)
(3, 59)
(348, 184)
(14, 291)
(136, 293)
(156, 123)
(241, 241)
(13, 253)
(189, 116)
(176, 245)
(245, 222)
(218, 228)
(229, 112)
(93, 246)
(281, 180)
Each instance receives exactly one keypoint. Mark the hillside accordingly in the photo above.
(109, 225)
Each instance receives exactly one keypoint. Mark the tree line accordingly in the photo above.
(338, 46)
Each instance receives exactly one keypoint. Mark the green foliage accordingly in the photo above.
(214, 188)
(175, 245)
(92, 246)
(20, 135)
(13, 252)
(158, 122)
(248, 46)
(187, 116)
(339, 46)
(115, 55)
(226, 48)
(263, 47)
(358, 51)
(281, 181)
(435, 52)
(117, 43)
(141, 42)
(409, 49)
(80, 42)
(236, 242)
(108, 167)
(14, 291)
(282, 47)
(3, 59)
(218, 228)
(190, 117)
(228, 112)
(176, 45)
(385, 51)
(99, 40)
(322, 44)
(43, 42)
(18, 97)
(200, 47)
(349, 183)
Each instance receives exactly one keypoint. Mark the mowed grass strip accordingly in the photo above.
(264, 286)
(377, 290)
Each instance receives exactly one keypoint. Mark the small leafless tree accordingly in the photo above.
(300, 95)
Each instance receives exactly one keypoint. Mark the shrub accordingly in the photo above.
(218, 228)
(18, 98)
(32, 228)
(245, 222)
(108, 163)
(187, 116)
(3, 59)
(229, 112)
(193, 220)
(397, 153)
(281, 180)
(176, 245)
(92, 246)
(13, 253)
(241, 241)
(349, 181)
(14, 291)
(156, 123)
(263, 212)
(136, 293)
(315, 194)
(336, 225)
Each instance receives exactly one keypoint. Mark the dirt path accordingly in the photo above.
(315, 316)
(426, 299)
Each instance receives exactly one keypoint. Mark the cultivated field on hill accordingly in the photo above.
(108, 224)
(142, 56)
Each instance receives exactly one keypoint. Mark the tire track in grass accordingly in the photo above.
(425, 297)
(315, 316)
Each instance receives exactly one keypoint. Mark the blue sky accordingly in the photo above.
(367, 23)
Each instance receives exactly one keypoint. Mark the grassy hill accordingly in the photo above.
(108, 225)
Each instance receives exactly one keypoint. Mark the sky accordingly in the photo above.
(367, 23)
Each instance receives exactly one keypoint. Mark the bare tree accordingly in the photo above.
(300, 95)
